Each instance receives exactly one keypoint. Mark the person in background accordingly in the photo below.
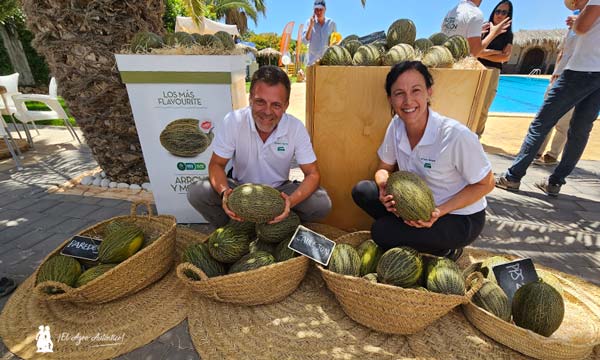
(444, 153)
(496, 53)
(562, 126)
(317, 31)
(578, 86)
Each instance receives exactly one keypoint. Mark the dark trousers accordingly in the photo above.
(388, 231)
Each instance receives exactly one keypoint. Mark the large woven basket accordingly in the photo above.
(265, 285)
(575, 338)
(386, 308)
(142, 269)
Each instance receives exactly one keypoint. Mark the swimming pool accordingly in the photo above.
(519, 94)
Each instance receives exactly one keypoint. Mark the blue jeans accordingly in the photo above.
(572, 89)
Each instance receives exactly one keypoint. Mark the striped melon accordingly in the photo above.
(120, 244)
(444, 277)
(438, 56)
(537, 306)
(349, 38)
(283, 230)
(399, 53)
(199, 256)
(227, 246)
(252, 261)
(367, 55)
(488, 264)
(369, 254)
(180, 38)
(352, 46)
(256, 203)
(402, 31)
(438, 38)
(492, 298)
(245, 227)
(400, 266)
(372, 277)
(423, 44)
(336, 55)
(345, 260)
(283, 252)
(259, 245)
(226, 40)
(209, 41)
(414, 200)
(92, 273)
(381, 45)
(145, 41)
(59, 268)
(458, 46)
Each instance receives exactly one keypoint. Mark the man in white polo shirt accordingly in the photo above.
(261, 141)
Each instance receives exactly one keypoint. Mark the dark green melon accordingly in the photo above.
(345, 260)
(414, 199)
(367, 55)
(492, 298)
(369, 254)
(488, 264)
(199, 256)
(539, 307)
(259, 245)
(144, 41)
(349, 38)
(438, 38)
(278, 232)
(59, 268)
(226, 40)
(372, 277)
(444, 277)
(244, 227)
(458, 46)
(423, 44)
(92, 273)
(209, 41)
(252, 261)
(438, 57)
(400, 266)
(228, 246)
(381, 46)
(399, 53)
(256, 203)
(336, 55)
(352, 46)
(283, 252)
(180, 38)
(550, 279)
(402, 31)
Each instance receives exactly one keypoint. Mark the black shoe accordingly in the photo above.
(454, 254)
(6, 286)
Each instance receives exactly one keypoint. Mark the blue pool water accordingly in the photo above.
(519, 94)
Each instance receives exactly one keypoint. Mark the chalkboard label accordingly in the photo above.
(511, 276)
(82, 247)
(312, 245)
(367, 39)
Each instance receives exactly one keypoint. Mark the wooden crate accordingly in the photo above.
(347, 113)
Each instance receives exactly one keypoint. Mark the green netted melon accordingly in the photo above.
(252, 261)
(144, 41)
(120, 244)
(399, 53)
(348, 39)
(256, 203)
(381, 45)
(184, 138)
(372, 277)
(199, 256)
(488, 264)
(369, 254)
(539, 307)
(226, 40)
(59, 268)
(180, 38)
(458, 46)
(414, 199)
(336, 55)
(438, 56)
(492, 298)
(92, 273)
(400, 266)
(367, 55)
(245, 227)
(352, 46)
(259, 245)
(423, 44)
(402, 31)
(283, 252)
(551, 280)
(228, 246)
(345, 260)
(209, 41)
(278, 232)
(438, 38)
(444, 277)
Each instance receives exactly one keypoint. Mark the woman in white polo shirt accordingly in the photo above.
(443, 152)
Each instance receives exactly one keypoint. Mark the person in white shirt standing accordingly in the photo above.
(262, 141)
(579, 87)
(317, 31)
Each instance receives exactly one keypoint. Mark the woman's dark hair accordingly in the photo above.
(510, 14)
(403, 67)
(271, 75)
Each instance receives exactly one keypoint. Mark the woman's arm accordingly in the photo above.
(381, 177)
(497, 55)
(468, 195)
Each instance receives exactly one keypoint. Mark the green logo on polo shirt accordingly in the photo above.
(427, 165)
(280, 148)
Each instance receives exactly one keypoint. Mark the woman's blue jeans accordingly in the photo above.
(573, 88)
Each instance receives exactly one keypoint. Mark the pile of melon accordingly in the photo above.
(247, 245)
(400, 45)
(538, 306)
(221, 43)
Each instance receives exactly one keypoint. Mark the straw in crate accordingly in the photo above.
(144, 268)
(386, 308)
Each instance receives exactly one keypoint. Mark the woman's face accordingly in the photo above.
(409, 95)
(501, 13)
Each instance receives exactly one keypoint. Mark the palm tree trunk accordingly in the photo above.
(79, 40)
(16, 54)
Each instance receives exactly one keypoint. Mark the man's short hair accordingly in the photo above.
(319, 4)
(271, 75)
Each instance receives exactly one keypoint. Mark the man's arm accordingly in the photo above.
(309, 28)
(216, 173)
(586, 19)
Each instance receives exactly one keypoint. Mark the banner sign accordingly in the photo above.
(299, 46)
(284, 44)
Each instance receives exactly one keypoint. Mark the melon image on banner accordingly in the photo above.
(185, 138)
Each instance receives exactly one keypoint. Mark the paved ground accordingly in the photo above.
(563, 233)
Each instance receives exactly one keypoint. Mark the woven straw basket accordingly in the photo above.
(265, 285)
(386, 308)
(135, 273)
(585, 333)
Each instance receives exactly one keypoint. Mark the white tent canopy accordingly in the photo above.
(207, 26)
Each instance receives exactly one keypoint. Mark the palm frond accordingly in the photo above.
(196, 9)
(363, 2)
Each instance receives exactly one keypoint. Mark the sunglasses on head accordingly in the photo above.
(501, 12)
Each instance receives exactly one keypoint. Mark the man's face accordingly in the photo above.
(320, 13)
(268, 104)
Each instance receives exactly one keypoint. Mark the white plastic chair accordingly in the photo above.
(31, 116)
(10, 84)
(5, 134)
